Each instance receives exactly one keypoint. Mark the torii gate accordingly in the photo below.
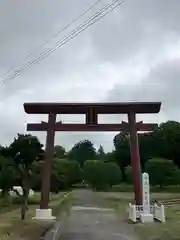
(91, 110)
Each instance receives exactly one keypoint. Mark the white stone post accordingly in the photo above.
(145, 193)
(146, 216)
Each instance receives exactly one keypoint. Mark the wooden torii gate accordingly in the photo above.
(91, 110)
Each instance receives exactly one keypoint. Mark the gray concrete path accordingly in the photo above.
(88, 222)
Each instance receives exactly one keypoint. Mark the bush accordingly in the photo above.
(64, 174)
(100, 175)
(122, 188)
(162, 172)
(128, 173)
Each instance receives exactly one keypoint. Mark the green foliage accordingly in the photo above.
(110, 157)
(122, 187)
(113, 173)
(166, 141)
(163, 142)
(162, 172)
(100, 153)
(82, 151)
(24, 150)
(146, 147)
(75, 173)
(129, 176)
(101, 175)
(59, 151)
(36, 175)
(21, 162)
(64, 174)
(122, 152)
(59, 175)
(8, 174)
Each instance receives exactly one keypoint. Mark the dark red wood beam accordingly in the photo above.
(90, 127)
(91, 116)
(59, 122)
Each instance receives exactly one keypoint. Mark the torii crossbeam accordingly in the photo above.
(91, 110)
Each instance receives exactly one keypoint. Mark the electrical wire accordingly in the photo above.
(55, 35)
(82, 27)
(61, 41)
(48, 51)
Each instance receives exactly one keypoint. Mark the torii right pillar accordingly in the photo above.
(135, 158)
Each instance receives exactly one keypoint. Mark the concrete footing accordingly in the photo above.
(44, 214)
(146, 218)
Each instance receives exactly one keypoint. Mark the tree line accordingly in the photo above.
(21, 162)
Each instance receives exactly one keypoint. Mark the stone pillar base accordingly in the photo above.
(146, 218)
(44, 214)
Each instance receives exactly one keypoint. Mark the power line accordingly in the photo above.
(63, 41)
(55, 35)
(82, 27)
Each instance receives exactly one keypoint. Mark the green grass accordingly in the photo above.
(124, 187)
(170, 230)
(12, 228)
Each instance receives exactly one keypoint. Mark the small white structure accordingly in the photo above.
(146, 212)
(146, 215)
(44, 214)
(20, 191)
(159, 212)
(132, 212)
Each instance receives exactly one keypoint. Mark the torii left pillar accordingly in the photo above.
(135, 158)
(45, 212)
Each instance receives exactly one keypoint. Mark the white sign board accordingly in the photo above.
(145, 193)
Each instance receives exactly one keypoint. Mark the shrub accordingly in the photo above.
(162, 172)
(100, 175)
(64, 174)
(128, 172)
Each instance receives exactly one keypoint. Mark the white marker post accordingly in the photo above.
(146, 216)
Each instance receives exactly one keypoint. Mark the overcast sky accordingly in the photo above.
(133, 54)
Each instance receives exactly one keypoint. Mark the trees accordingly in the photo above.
(163, 142)
(113, 173)
(75, 173)
(21, 162)
(7, 175)
(59, 152)
(129, 177)
(59, 175)
(100, 175)
(162, 172)
(122, 151)
(100, 153)
(82, 151)
(146, 147)
(24, 150)
(64, 174)
(167, 140)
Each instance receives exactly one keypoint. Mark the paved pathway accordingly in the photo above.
(88, 222)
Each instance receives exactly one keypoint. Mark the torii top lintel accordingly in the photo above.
(100, 108)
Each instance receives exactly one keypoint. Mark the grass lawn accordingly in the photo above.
(170, 230)
(154, 231)
(12, 228)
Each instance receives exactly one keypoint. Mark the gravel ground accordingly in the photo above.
(87, 222)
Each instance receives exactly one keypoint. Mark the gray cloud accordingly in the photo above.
(161, 84)
(137, 26)
(126, 56)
